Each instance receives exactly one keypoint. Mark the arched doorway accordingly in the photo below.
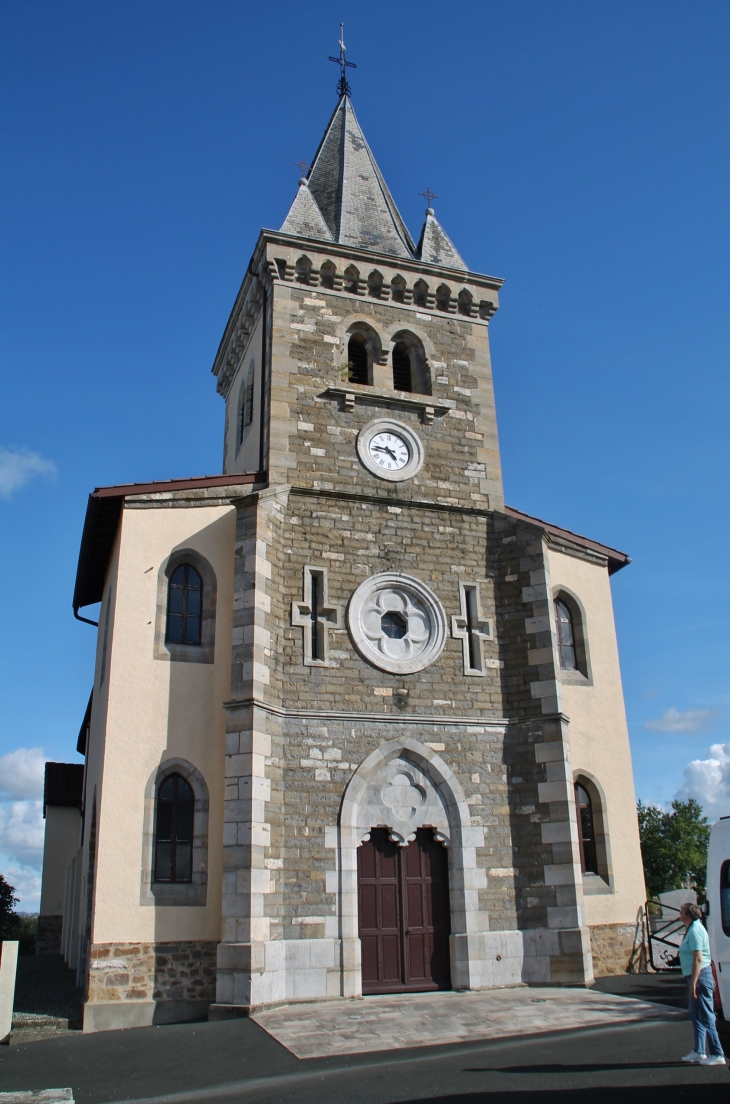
(404, 914)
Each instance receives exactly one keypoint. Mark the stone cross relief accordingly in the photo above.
(471, 627)
(316, 615)
(402, 798)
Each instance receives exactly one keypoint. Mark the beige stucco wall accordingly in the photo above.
(158, 709)
(599, 739)
(60, 844)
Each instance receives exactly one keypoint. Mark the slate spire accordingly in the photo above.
(435, 247)
(348, 189)
(345, 199)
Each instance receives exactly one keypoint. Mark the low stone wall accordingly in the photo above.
(184, 971)
(48, 939)
(612, 946)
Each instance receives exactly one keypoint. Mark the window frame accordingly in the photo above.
(186, 587)
(171, 650)
(194, 892)
(725, 914)
(559, 606)
(601, 880)
(581, 674)
(588, 847)
(177, 779)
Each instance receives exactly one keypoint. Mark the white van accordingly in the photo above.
(718, 910)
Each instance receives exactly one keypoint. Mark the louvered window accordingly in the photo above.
(402, 376)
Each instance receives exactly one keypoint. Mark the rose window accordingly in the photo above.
(397, 623)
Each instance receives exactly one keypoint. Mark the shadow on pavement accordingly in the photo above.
(585, 1067)
(656, 988)
(661, 1094)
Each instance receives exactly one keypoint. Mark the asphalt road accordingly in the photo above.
(238, 1061)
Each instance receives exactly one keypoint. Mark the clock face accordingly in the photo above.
(389, 451)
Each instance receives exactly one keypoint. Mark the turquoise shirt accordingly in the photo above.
(696, 939)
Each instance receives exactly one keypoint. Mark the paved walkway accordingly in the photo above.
(336, 1028)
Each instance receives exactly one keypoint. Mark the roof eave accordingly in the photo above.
(101, 523)
(616, 559)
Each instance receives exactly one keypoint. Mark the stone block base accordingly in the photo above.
(540, 956)
(612, 947)
(116, 1015)
(48, 939)
(273, 971)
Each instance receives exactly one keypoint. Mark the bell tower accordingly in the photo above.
(340, 309)
(366, 660)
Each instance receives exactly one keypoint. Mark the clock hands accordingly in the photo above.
(381, 448)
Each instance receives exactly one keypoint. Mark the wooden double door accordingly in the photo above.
(403, 899)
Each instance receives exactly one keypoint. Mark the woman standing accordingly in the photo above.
(694, 959)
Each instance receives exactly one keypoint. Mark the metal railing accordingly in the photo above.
(664, 934)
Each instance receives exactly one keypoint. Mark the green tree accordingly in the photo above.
(7, 912)
(674, 846)
(12, 926)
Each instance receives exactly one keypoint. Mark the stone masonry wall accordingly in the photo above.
(612, 947)
(462, 458)
(152, 971)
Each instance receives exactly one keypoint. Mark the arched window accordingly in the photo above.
(402, 379)
(565, 635)
(398, 289)
(410, 366)
(327, 275)
(586, 830)
(358, 361)
(174, 831)
(184, 606)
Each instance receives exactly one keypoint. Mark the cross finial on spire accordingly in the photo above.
(343, 88)
(303, 166)
(428, 195)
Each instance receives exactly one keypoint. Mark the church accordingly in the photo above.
(357, 726)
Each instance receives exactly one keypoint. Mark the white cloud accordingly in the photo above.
(27, 883)
(708, 781)
(21, 773)
(682, 720)
(18, 467)
(21, 831)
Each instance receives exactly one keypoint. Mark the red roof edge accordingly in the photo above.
(102, 521)
(195, 482)
(616, 559)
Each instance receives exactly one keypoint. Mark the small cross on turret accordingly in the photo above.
(428, 195)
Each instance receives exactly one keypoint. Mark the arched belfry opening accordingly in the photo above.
(363, 351)
(410, 366)
(358, 360)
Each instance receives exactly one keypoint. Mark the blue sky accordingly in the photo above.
(578, 150)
